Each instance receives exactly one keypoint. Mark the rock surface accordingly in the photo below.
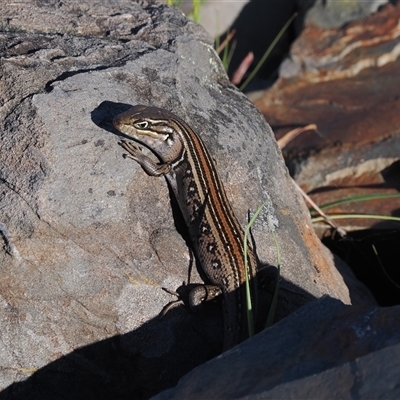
(88, 239)
(334, 14)
(325, 350)
(346, 80)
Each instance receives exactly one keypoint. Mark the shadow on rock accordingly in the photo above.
(143, 362)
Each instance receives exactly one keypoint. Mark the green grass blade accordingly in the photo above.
(250, 320)
(383, 268)
(229, 55)
(360, 198)
(274, 302)
(267, 53)
(174, 3)
(358, 216)
(195, 13)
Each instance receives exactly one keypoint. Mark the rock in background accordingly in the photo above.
(344, 76)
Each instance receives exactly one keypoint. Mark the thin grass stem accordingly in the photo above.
(267, 53)
(249, 308)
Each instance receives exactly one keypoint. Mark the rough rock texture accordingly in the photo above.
(325, 350)
(333, 13)
(88, 239)
(347, 81)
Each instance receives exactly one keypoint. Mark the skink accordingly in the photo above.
(216, 234)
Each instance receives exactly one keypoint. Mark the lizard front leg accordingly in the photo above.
(149, 166)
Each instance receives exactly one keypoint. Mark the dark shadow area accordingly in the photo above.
(379, 270)
(390, 177)
(373, 254)
(327, 189)
(256, 27)
(103, 115)
(117, 369)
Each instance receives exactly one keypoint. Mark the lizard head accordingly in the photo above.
(155, 128)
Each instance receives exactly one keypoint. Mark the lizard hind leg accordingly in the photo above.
(203, 293)
(192, 295)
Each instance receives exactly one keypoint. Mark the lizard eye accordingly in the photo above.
(141, 125)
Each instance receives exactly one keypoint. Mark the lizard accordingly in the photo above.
(214, 231)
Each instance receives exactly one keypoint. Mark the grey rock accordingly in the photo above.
(333, 14)
(324, 350)
(374, 376)
(84, 232)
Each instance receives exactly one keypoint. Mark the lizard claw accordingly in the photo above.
(129, 146)
(133, 150)
(173, 303)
